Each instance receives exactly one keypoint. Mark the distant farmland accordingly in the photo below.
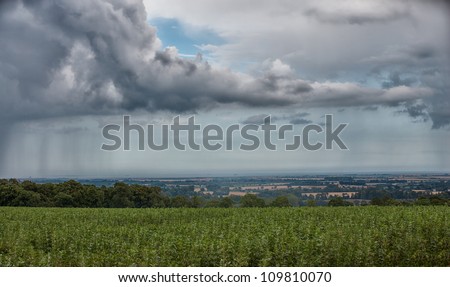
(345, 236)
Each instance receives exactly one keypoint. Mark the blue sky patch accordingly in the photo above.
(183, 36)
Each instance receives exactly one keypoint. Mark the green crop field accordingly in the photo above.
(318, 236)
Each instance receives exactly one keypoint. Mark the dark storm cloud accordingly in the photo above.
(418, 65)
(396, 80)
(440, 117)
(69, 57)
(100, 57)
(417, 111)
(62, 58)
(439, 105)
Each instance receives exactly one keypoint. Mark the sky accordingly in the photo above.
(70, 68)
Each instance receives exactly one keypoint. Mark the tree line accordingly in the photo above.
(121, 195)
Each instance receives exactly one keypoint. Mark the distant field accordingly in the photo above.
(320, 236)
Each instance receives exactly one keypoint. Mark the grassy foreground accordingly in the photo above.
(321, 236)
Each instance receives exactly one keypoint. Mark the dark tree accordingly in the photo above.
(339, 201)
(281, 201)
(251, 200)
